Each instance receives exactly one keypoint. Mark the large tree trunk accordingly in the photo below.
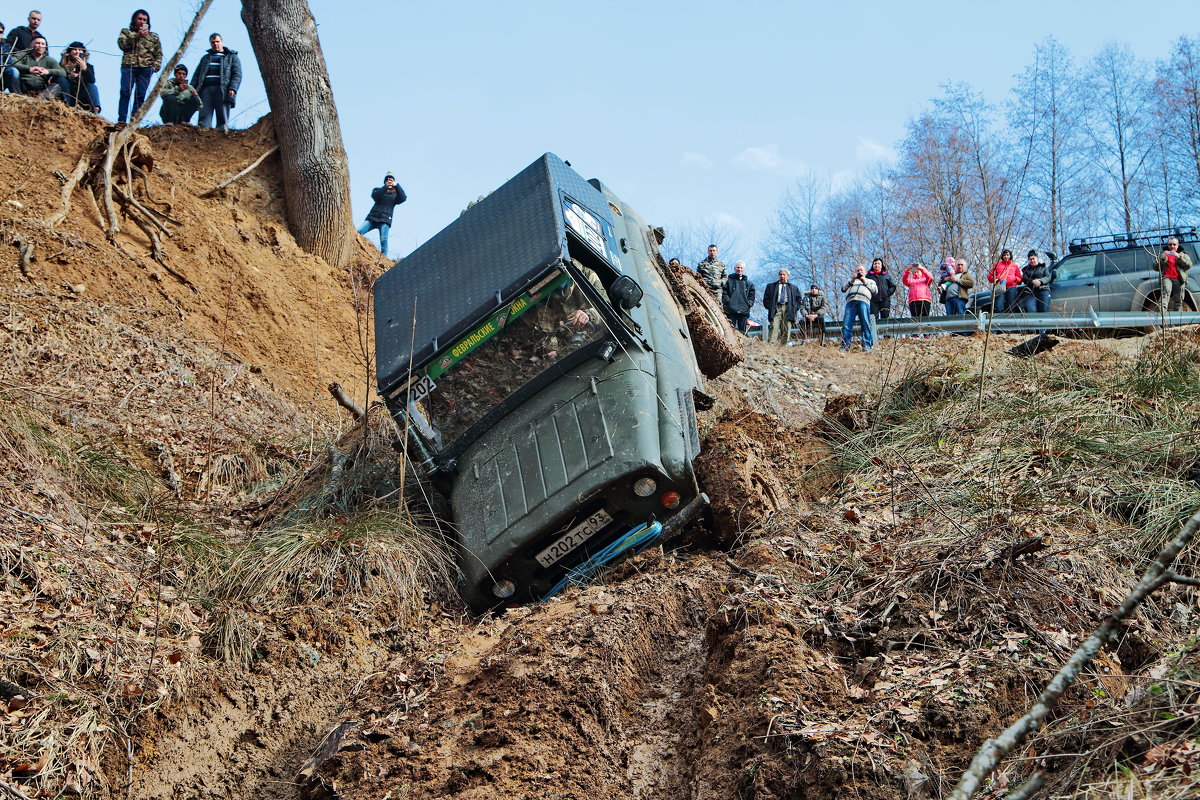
(316, 177)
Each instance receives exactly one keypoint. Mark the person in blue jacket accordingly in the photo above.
(386, 198)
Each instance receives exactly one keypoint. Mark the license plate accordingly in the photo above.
(573, 538)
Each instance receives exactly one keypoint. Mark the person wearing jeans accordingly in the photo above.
(858, 290)
(218, 76)
(143, 57)
(386, 198)
(958, 288)
(1036, 278)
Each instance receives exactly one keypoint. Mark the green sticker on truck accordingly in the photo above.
(445, 360)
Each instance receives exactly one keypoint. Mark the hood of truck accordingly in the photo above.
(519, 470)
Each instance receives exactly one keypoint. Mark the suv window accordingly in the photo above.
(1081, 266)
(1121, 261)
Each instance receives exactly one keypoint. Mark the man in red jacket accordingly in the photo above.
(1173, 265)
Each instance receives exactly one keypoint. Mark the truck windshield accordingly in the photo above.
(503, 353)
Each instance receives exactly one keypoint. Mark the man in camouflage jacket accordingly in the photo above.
(712, 272)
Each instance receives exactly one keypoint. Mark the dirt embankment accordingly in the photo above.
(145, 404)
(898, 553)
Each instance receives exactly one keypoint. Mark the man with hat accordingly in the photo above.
(386, 198)
(180, 100)
(79, 84)
(812, 306)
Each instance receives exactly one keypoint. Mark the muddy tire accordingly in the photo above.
(717, 345)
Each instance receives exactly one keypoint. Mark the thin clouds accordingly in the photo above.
(768, 158)
(869, 150)
(696, 160)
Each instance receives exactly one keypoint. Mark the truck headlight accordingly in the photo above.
(644, 487)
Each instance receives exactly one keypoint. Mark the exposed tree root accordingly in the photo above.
(128, 152)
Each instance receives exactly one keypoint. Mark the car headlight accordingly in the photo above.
(504, 589)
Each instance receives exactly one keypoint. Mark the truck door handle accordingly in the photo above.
(1091, 284)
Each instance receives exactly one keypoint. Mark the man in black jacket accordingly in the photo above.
(885, 287)
(737, 297)
(386, 198)
(782, 302)
(1036, 278)
(218, 77)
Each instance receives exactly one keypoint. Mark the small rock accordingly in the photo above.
(14, 203)
(78, 288)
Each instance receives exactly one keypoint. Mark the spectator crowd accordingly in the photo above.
(868, 292)
(29, 68)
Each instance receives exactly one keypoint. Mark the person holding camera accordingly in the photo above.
(859, 291)
(79, 84)
(386, 198)
(143, 58)
(180, 100)
(1172, 265)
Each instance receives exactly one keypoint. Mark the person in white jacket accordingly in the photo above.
(858, 290)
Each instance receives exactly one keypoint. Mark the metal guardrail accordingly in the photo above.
(1018, 323)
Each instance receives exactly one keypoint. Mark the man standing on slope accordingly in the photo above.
(782, 302)
(712, 272)
(218, 76)
(858, 290)
(386, 198)
(738, 297)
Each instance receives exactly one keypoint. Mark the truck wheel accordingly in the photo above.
(717, 345)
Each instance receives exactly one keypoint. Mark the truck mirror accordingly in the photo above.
(625, 294)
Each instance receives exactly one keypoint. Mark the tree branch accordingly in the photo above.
(994, 750)
(345, 401)
(244, 172)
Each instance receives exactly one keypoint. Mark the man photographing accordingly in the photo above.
(1172, 265)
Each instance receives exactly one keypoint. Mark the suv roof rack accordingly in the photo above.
(1122, 241)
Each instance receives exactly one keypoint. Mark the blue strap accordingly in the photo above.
(636, 539)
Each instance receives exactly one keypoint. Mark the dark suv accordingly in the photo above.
(1114, 272)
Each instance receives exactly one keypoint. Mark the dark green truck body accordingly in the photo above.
(543, 447)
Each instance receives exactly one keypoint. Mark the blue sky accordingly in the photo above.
(686, 109)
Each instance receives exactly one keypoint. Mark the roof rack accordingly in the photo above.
(1152, 237)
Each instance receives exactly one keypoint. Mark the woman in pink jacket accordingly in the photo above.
(918, 280)
(1005, 278)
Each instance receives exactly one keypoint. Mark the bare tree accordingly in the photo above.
(1121, 125)
(689, 240)
(315, 171)
(1047, 107)
(1177, 91)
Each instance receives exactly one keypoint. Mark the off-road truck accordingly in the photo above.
(542, 359)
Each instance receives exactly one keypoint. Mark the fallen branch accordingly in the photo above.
(25, 257)
(241, 174)
(994, 750)
(344, 400)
